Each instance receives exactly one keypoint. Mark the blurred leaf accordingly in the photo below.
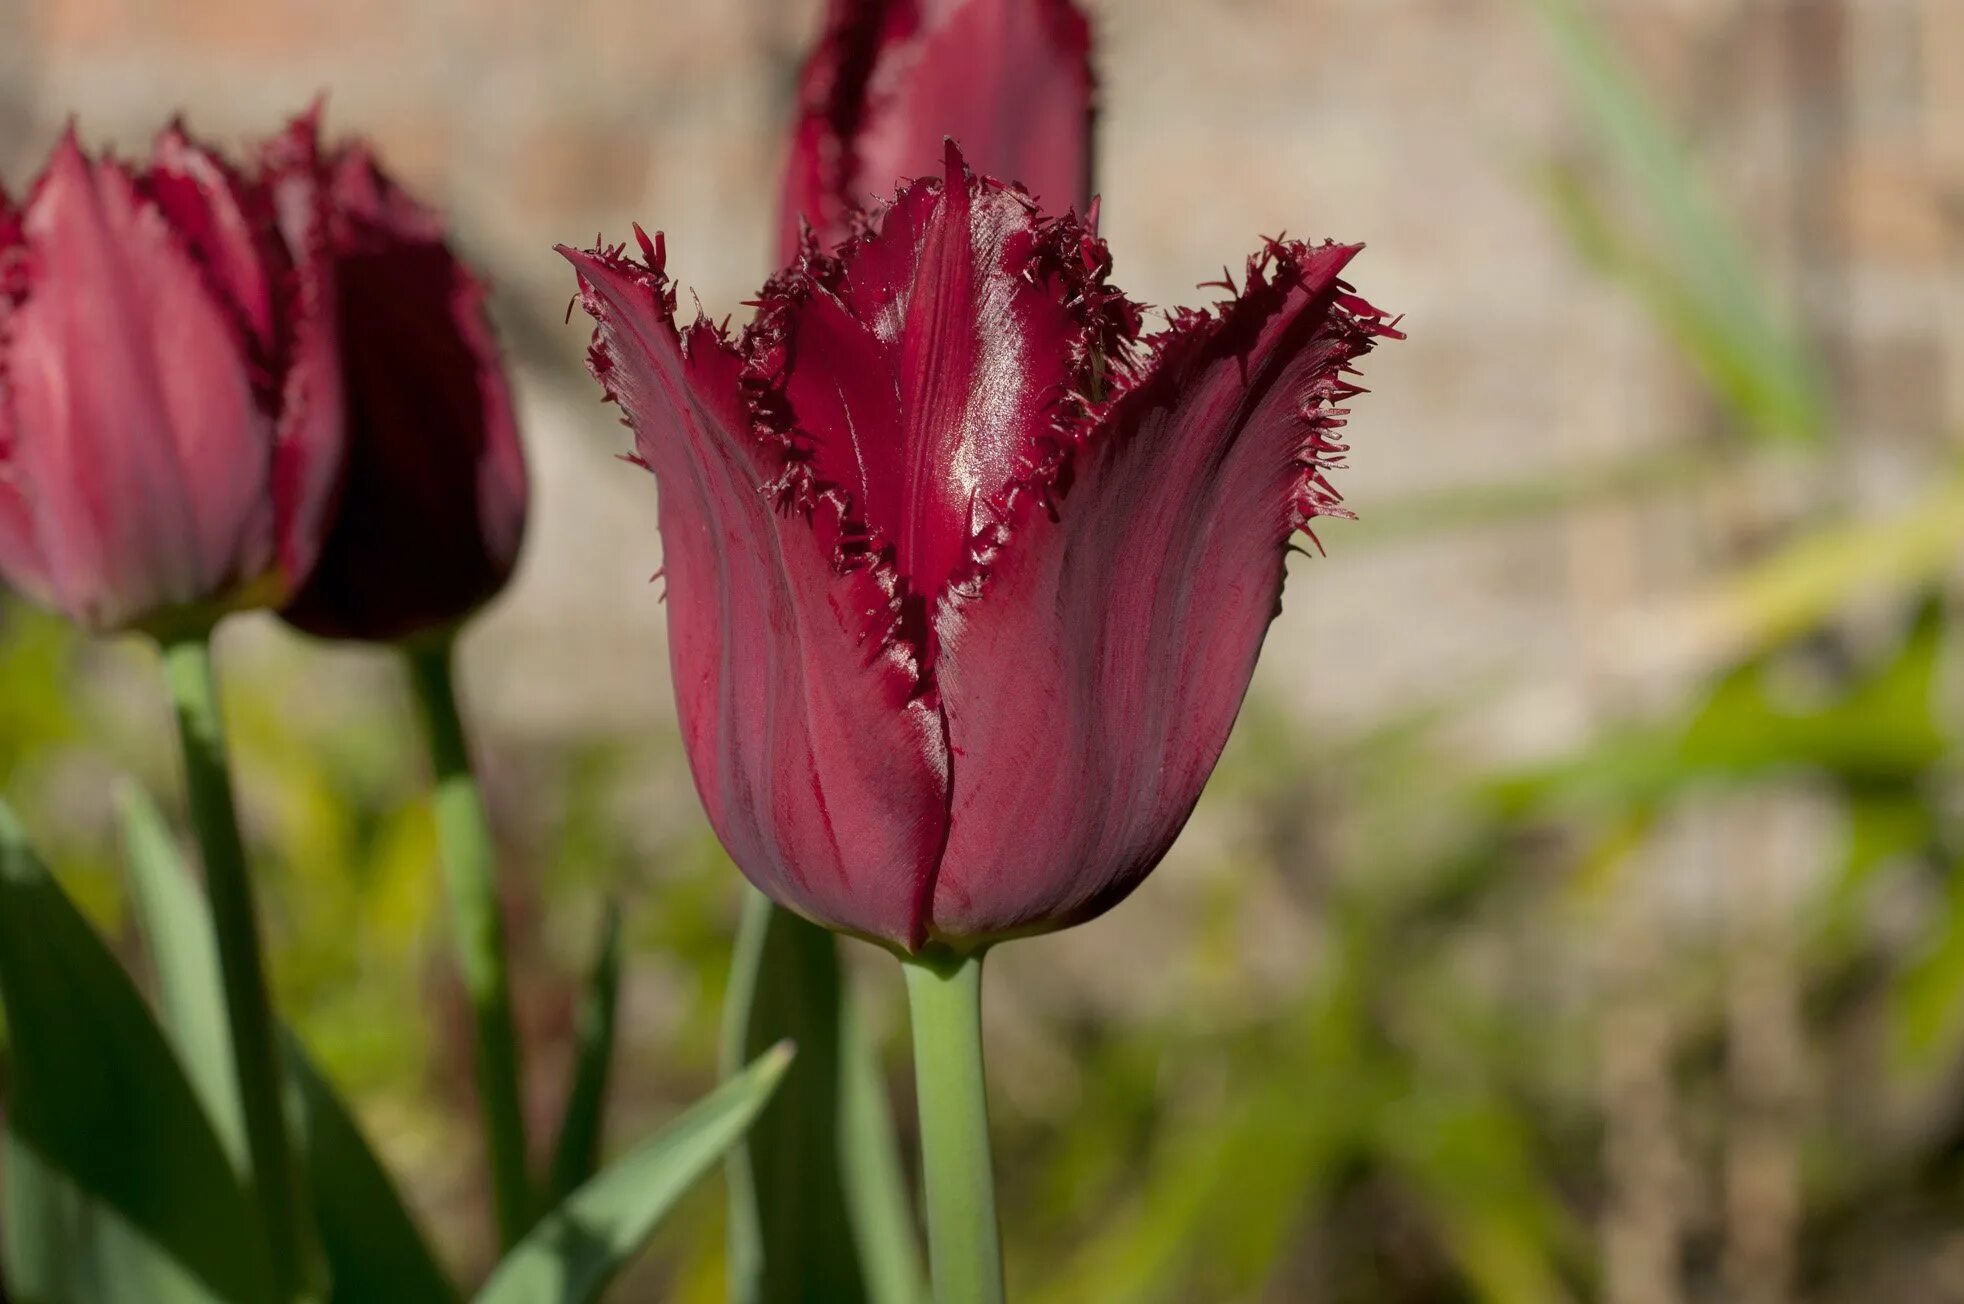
(374, 1250)
(1928, 1006)
(876, 1185)
(1641, 476)
(118, 1188)
(577, 1155)
(1667, 236)
(1816, 577)
(36, 653)
(1883, 727)
(1222, 1192)
(575, 1250)
(816, 1209)
(177, 932)
(1474, 1162)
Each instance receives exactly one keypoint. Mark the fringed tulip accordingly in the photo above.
(433, 509)
(890, 79)
(965, 579)
(169, 399)
(427, 531)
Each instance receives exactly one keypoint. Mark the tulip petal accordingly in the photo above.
(822, 770)
(223, 224)
(162, 416)
(432, 510)
(931, 365)
(21, 563)
(1010, 79)
(308, 461)
(1091, 684)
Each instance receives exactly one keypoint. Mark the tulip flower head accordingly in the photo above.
(169, 405)
(965, 578)
(433, 508)
(891, 79)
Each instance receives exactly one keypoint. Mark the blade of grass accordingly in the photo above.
(577, 1156)
(574, 1251)
(1691, 266)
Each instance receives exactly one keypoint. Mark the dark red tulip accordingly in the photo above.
(965, 579)
(433, 509)
(890, 79)
(169, 406)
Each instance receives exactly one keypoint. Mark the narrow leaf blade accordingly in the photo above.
(575, 1250)
(869, 1163)
(190, 992)
(374, 1249)
(125, 1189)
(577, 1156)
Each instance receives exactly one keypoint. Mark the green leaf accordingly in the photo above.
(1820, 574)
(818, 1209)
(1666, 235)
(374, 1251)
(176, 930)
(118, 1187)
(575, 1250)
(876, 1185)
(373, 1247)
(577, 1155)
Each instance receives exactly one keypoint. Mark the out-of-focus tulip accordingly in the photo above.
(890, 79)
(965, 579)
(169, 400)
(433, 508)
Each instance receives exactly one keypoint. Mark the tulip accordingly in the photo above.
(170, 448)
(886, 82)
(890, 79)
(433, 508)
(169, 409)
(965, 579)
(427, 530)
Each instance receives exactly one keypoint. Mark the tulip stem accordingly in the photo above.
(944, 995)
(248, 1009)
(464, 836)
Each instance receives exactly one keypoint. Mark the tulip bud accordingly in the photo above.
(966, 579)
(432, 511)
(1010, 79)
(169, 409)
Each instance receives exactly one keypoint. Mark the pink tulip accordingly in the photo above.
(965, 579)
(170, 417)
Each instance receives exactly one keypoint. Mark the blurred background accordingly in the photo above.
(1578, 913)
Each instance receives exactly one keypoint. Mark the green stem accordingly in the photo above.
(465, 837)
(228, 889)
(944, 994)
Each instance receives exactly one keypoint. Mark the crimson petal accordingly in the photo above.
(308, 452)
(225, 226)
(930, 365)
(822, 770)
(1010, 79)
(1090, 687)
(432, 510)
(21, 563)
